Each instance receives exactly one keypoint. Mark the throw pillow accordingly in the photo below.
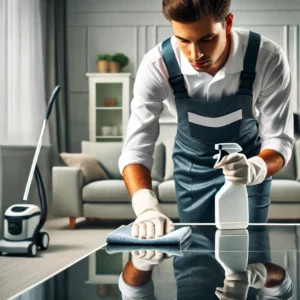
(90, 167)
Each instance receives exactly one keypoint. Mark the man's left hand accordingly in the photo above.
(237, 168)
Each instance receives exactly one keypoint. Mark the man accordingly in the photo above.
(224, 84)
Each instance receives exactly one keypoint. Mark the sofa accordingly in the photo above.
(109, 198)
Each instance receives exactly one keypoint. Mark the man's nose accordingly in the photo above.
(196, 52)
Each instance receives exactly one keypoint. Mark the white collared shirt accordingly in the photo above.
(271, 96)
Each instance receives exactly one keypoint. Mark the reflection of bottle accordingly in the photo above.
(231, 202)
(231, 250)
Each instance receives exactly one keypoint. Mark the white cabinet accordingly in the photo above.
(109, 105)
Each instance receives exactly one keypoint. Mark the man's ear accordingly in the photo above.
(229, 23)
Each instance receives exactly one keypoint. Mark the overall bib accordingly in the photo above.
(201, 125)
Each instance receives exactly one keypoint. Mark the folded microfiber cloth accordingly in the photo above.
(122, 235)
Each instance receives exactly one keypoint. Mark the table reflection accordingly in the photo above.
(217, 264)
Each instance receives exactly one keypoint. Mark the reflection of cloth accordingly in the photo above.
(136, 292)
(122, 235)
(175, 250)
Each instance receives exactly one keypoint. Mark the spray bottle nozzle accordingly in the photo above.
(225, 149)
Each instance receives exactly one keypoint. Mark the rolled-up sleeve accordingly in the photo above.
(149, 92)
(136, 292)
(275, 108)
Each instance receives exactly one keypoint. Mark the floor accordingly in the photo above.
(66, 246)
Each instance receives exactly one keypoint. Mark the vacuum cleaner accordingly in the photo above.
(23, 222)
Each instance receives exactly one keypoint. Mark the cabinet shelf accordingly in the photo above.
(105, 86)
(109, 108)
(109, 137)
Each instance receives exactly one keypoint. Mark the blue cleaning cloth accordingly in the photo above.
(122, 235)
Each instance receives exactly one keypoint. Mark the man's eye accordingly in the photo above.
(208, 39)
(184, 41)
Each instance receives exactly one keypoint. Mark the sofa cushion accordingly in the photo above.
(108, 154)
(281, 191)
(109, 191)
(169, 165)
(90, 167)
(285, 191)
(166, 191)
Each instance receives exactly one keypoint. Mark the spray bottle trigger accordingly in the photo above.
(220, 156)
(216, 156)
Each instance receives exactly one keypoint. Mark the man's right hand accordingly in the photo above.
(150, 222)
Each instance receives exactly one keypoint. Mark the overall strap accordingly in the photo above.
(176, 79)
(250, 59)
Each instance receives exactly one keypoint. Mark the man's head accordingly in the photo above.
(202, 29)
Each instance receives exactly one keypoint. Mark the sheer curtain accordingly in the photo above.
(22, 98)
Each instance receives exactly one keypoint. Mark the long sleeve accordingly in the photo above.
(145, 292)
(143, 126)
(274, 104)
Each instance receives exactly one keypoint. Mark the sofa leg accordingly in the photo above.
(72, 222)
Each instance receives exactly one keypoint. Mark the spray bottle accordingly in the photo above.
(231, 201)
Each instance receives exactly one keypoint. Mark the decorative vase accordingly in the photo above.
(103, 66)
(114, 67)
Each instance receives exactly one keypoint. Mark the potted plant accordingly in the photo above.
(118, 61)
(103, 63)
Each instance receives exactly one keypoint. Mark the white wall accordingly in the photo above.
(135, 26)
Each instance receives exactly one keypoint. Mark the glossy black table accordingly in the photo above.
(190, 272)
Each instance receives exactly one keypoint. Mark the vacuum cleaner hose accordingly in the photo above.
(43, 199)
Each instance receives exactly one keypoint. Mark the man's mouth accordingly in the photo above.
(200, 63)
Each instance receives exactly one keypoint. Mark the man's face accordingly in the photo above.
(204, 43)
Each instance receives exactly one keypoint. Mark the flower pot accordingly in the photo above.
(103, 66)
(110, 102)
(114, 67)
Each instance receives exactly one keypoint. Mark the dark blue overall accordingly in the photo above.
(201, 125)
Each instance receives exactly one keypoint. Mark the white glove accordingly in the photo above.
(237, 168)
(146, 260)
(150, 222)
(236, 286)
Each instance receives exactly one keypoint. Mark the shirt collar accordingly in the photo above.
(234, 63)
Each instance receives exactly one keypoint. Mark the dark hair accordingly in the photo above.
(186, 11)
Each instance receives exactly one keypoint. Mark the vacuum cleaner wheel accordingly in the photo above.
(32, 249)
(43, 240)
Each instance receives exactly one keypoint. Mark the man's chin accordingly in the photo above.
(202, 69)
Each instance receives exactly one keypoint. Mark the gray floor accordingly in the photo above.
(66, 246)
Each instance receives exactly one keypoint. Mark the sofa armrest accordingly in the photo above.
(67, 184)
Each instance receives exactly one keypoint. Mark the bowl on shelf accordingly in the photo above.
(106, 130)
(114, 131)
